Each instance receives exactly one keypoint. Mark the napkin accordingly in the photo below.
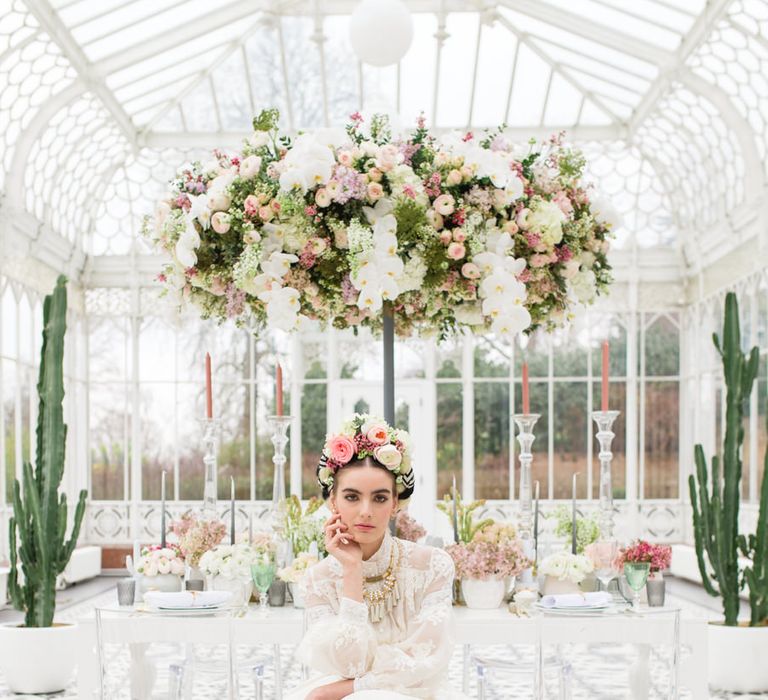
(186, 599)
(576, 600)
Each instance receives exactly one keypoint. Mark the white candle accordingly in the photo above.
(573, 520)
(136, 555)
(162, 509)
(232, 509)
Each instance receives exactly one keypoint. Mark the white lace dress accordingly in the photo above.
(397, 649)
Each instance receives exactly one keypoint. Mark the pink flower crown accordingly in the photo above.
(368, 436)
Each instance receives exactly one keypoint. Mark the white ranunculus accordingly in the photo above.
(587, 259)
(250, 166)
(258, 139)
(221, 182)
(388, 455)
(219, 201)
(584, 286)
(177, 567)
(547, 219)
(324, 474)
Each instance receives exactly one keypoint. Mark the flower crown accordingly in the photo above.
(368, 436)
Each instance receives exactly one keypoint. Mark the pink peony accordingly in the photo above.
(341, 449)
(456, 251)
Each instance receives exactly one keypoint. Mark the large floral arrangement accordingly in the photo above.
(483, 560)
(566, 566)
(156, 560)
(659, 556)
(231, 561)
(464, 230)
(196, 536)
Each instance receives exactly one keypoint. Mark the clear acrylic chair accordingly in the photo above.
(487, 668)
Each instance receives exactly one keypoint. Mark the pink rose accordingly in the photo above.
(220, 222)
(445, 237)
(456, 251)
(377, 434)
(459, 236)
(470, 270)
(265, 212)
(341, 449)
(562, 201)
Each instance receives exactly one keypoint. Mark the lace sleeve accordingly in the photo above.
(422, 658)
(340, 643)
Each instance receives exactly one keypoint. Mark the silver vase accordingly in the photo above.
(656, 590)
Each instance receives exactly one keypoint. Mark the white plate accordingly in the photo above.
(574, 609)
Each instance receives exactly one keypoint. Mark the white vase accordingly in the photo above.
(737, 658)
(297, 593)
(168, 583)
(557, 586)
(483, 594)
(38, 659)
(241, 590)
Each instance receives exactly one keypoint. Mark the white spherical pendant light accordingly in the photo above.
(381, 31)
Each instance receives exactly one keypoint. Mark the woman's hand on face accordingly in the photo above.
(341, 543)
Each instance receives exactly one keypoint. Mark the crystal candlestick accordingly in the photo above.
(605, 434)
(279, 426)
(210, 427)
(525, 438)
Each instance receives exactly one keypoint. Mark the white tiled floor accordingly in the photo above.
(598, 672)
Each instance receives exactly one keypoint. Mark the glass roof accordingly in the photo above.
(100, 101)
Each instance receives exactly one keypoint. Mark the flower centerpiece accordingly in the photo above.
(587, 528)
(659, 556)
(564, 571)
(161, 568)
(229, 569)
(483, 566)
(302, 527)
(294, 574)
(457, 231)
(197, 536)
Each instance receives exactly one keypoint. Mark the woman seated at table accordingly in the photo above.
(378, 608)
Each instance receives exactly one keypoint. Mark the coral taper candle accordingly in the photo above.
(279, 391)
(604, 386)
(526, 393)
(208, 389)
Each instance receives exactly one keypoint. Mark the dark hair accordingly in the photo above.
(403, 495)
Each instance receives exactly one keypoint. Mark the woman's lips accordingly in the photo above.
(365, 528)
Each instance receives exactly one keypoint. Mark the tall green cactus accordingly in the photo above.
(39, 511)
(716, 511)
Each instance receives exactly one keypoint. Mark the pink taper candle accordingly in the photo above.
(526, 396)
(279, 391)
(604, 387)
(208, 390)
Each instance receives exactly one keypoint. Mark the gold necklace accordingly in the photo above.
(373, 597)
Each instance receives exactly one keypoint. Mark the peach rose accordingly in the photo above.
(375, 191)
(377, 434)
(341, 449)
(454, 177)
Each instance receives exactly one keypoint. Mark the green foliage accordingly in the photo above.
(587, 528)
(267, 120)
(302, 528)
(716, 509)
(466, 525)
(39, 511)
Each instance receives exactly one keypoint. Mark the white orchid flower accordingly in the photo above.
(200, 210)
(278, 264)
(381, 209)
(369, 300)
(385, 243)
(185, 255)
(389, 289)
(512, 323)
(488, 262)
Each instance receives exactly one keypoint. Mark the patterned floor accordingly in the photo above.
(597, 672)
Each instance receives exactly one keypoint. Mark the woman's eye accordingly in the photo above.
(381, 499)
(350, 497)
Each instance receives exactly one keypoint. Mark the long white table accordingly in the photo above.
(472, 627)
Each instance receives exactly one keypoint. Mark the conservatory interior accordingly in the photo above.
(482, 244)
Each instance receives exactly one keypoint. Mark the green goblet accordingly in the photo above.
(263, 573)
(637, 574)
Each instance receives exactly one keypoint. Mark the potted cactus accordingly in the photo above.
(39, 655)
(736, 648)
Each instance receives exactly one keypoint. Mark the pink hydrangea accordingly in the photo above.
(659, 556)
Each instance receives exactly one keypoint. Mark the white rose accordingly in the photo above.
(150, 569)
(259, 139)
(177, 567)
(250, 167)
(554, 565)
(219, 201)
(388, 455)
(547, 219)
(324, 474)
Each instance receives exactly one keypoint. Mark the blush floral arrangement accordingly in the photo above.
(459, 231)
(659, 556)
(196, 536)
(485, 559)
